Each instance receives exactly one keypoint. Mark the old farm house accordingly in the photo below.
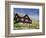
(24, 19)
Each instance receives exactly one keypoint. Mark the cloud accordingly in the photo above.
(34, 17)
(21, 14)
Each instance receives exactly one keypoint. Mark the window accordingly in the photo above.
(22, 19)
(17, 19)
(16, 16)
(26, 17)
(26, 20)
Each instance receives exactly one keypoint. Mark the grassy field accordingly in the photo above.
(19, 26)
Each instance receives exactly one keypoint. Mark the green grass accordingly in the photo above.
(34, 25)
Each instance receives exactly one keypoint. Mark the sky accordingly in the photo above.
(34, 13)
